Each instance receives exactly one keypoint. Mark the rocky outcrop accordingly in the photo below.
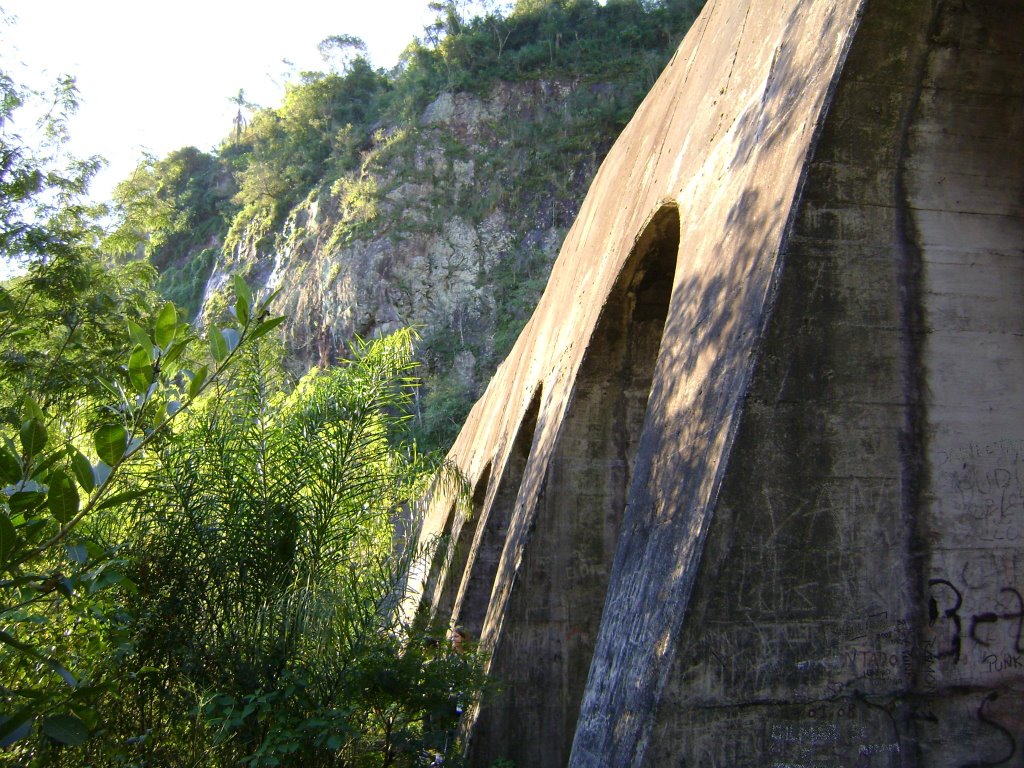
(747, 490)
(444, 222)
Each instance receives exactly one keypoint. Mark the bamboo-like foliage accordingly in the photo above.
(270, 564)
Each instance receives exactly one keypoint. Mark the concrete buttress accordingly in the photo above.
(749, 488)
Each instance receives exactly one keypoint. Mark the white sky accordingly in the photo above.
(158, 75)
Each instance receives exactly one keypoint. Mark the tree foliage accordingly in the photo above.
(200, 561)
(164, 210)
(339, 51)
(68, 467)
(216, 542)
(270, 560)
(41, 212)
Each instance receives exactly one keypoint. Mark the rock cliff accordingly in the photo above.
(449, 225)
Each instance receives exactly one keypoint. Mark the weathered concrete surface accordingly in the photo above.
(804, 547)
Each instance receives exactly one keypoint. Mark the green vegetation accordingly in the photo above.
(202, 555)
(552, 39)
(171, 211)
(349, 138)
(202, 560)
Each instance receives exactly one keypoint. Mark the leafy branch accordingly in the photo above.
(37, 481)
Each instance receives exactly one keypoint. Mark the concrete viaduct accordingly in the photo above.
(748, 489)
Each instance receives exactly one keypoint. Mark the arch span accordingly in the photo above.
(544, 655)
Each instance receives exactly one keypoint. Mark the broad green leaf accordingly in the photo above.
(83, 470)
(62, 498)
(25, 502)
(77, 553)
(174, 352)
(61, 670)
(66, 729)
(15, 727)
(32, 410)
(266, 327)
(173, 406)
(241, 311)
(198, 379)
(111, 387)
(10, 467)
(138, 334)
(243, 300)
(65, 587)
(94, 550)
(166, 325)
(33, 437)
(140, 368)
(88, 715)
(8, 538)
(110, 441)
(242, 291)
(218, 346)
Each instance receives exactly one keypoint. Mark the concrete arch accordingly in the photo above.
(450, 560)
(488, 543)
(857, 534)
(820, 548)
(544, 655)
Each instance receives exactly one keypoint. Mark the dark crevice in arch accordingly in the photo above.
(452, 556)
(440, 558)
(542, 659)
(480, 579)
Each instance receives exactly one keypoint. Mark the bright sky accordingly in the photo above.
(158, 75)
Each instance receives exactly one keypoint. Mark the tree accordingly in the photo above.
(65, 467)
(240, 122)
(41, 213)
(496, 18)
(84, 399)
(270, 564)
(65, 315)
(339, 51)
(140, 485)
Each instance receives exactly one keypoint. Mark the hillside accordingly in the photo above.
(435, 195)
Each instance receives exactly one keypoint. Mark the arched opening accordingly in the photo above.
(480, 579)
(542, 659)
(451, 557)
(440, 559)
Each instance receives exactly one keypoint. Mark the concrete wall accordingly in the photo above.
(803, 547)
(823, 629)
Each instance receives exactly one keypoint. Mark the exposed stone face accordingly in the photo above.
(425, 233)
(766, 508)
